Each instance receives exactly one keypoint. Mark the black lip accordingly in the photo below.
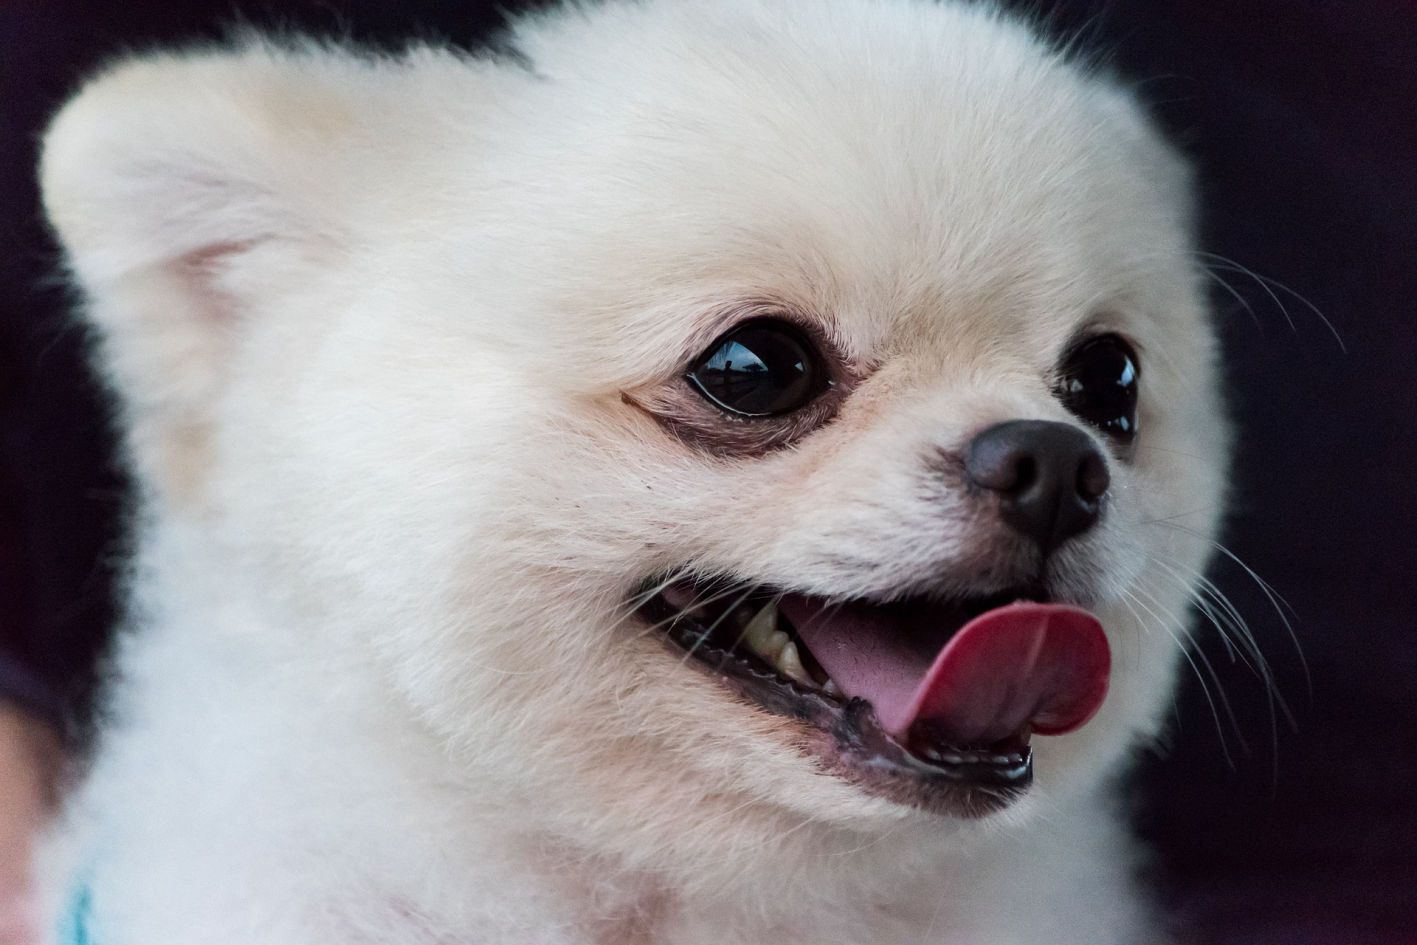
(844, 734)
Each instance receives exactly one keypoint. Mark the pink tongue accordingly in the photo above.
(1044, 666)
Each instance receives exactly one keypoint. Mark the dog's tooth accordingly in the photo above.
(832, 689)
(760, 633)
(789, 663)
(776, 642)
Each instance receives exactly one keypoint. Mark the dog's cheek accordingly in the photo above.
(589, 682)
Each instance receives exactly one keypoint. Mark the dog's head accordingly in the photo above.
(678, 412)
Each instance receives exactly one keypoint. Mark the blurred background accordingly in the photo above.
(1280, 810)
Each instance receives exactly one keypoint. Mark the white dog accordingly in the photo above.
(728, 472)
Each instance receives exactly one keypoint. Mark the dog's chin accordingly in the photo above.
(744, 636)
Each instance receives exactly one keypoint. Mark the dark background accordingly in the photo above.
(1302, 118)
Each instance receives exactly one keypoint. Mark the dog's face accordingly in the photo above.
(653, 415)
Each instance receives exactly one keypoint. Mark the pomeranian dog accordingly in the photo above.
(710, 472)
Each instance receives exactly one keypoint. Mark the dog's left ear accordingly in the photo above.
(191, 190)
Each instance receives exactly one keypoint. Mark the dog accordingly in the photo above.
(720, 472)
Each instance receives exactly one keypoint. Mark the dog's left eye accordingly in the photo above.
(1098, 383)
(762, 368)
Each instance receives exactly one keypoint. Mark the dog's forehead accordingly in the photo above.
(945, 187)
(885, 256)
(901, 188)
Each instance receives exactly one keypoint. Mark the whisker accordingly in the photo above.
(1193, 653)
(1220, 280)
(1238, 639)
(1234, 631)
(1269, 285)
(1175, 516)
(1276, 704)
(714, 626)
(1276, 601)
(649, 629)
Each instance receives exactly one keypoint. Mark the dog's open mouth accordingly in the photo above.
(927, 703)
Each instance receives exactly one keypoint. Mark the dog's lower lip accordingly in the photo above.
(921, 769)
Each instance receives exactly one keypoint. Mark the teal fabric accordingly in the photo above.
(74, 924)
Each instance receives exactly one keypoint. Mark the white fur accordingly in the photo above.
(372, 321)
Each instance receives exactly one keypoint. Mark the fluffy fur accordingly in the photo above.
(383, 330)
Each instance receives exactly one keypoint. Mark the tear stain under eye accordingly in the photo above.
(706, 429)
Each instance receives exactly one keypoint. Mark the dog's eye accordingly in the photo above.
(1098, 383)
(761, 368)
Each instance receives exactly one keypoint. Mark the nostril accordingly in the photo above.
(1025, 473)
(1000, 464)
(1093, 478)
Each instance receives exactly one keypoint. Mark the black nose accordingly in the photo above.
(1049, 477)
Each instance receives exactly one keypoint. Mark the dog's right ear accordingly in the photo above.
(190, 190)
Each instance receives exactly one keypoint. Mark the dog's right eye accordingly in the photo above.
(762, 368)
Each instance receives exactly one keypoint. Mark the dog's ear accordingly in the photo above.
(191, 190)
